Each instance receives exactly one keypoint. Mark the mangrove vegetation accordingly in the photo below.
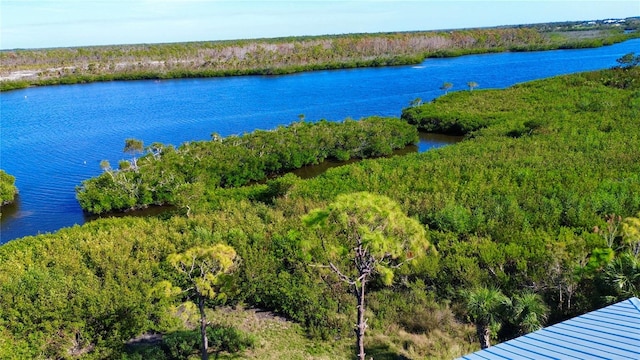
(171, 176)
(8, 188)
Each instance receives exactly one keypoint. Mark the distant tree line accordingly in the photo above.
(275, 56)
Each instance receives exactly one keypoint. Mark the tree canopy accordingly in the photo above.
(8, 189)
(363, 235)
(204, 269)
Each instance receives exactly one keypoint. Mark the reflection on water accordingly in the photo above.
(148, 211)
(427, 141)
(309, 171)
(430, 141)
(11, 210)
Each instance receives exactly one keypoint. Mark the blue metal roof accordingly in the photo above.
(612, 332)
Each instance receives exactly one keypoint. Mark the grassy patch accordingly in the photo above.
(278, 338)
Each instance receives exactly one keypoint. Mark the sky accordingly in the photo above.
(65, 23)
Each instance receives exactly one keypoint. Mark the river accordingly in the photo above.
(54, 137)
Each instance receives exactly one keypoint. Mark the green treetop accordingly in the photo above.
(205, 269)
(363, 234)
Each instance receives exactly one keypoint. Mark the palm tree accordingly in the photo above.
(486, 308)
(529, 312)
(472, 85)
(622, 275)
(631, 234)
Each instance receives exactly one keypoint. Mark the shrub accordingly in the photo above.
(7, 188)
(182, 344)
(229, 339)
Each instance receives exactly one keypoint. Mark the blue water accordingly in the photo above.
(52, 138)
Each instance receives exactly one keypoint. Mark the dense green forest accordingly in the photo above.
(22, 68)
(8, 188)
(536, 212)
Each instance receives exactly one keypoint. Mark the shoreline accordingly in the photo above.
(29, 68)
